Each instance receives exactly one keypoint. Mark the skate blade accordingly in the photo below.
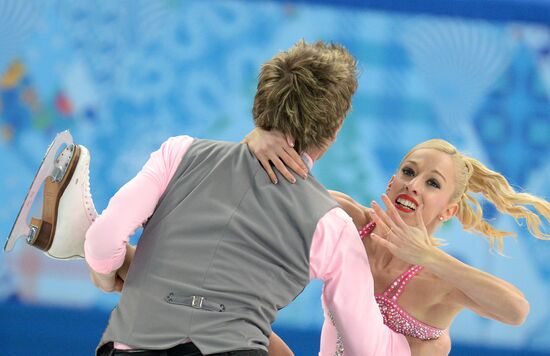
(21, 227)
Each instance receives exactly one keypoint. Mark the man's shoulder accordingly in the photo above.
(338, 216)
(321, 189)
(214, 143)
(177, 141)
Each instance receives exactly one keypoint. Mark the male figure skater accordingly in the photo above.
(222, 248)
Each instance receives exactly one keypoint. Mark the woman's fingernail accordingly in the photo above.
(373, 203)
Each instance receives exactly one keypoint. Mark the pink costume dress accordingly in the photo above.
(395, 317)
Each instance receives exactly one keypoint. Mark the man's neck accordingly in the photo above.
(314, 154)
(308, 159)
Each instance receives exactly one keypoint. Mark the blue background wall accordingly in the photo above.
(123, 76)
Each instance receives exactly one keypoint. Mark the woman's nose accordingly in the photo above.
(411, 186)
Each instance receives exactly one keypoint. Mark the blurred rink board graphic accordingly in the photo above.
(124, 76)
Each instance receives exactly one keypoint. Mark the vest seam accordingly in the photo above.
(223, 236)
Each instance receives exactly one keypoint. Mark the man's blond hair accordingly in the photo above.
(306, 92)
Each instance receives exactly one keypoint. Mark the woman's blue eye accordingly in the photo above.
(408, 172)
(434, 183)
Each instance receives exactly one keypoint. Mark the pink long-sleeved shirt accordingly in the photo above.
(337, 255)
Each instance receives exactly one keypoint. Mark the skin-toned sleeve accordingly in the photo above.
(338, 258)
(131, 206)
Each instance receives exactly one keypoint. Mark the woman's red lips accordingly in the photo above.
(406, 203)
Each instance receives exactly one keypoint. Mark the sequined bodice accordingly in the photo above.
(397, 318)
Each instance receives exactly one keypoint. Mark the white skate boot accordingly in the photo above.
(67, 209)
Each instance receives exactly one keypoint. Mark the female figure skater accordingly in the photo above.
(419, 288)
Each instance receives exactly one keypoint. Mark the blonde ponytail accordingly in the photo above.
(496, 189)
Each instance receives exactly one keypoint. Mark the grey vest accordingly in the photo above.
(222, 231)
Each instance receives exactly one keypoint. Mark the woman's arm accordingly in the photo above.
(479, 291)
(277, 346)
(356, 211)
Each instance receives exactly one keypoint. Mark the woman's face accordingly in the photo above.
(426, 177)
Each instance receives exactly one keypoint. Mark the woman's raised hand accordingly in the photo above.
(412, 244)
(273, 147)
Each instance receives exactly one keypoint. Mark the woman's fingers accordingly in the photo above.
(384, 242)
(392, 211)
(267, 167)
(281, 148)
(294, 161)
(383, 216)
(380, 224)
(273, 148)
(282, 168)
(290, 140)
